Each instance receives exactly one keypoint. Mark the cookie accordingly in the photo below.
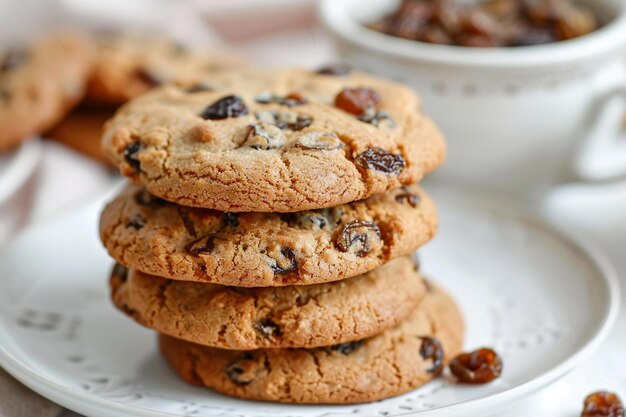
(285, 140)
(81, 130)
(394, 362)
(265, 249)
(128, 65)
(281, 317)
(39, 84)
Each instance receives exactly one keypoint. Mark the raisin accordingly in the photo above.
(348, 347)
(294, 99)
(284, 260)
(335, 69)
(574, 22)
(477, 367)
(406, 197)
(408, 22)
(131, 155)
(488, 23)
(148, 77)
(307, 219)
(603, 404)
(231, 219)
(14, 59)
(476, 41)
(318, 222)
(285, 120)
(267, 328)
(136, 222)
(377, 118)
(300, 123)
(247, 369)
(358, 237)
(264, 136)
(120, 272)
(290, 100)
(302, 300)
(381, 160)
(203, 244)
(357, 100)
(435, 34)
(229, 106)
(326, 141)
(315, 219)
(541, 13)
(477, 22)
(432, 349)
(146, 199)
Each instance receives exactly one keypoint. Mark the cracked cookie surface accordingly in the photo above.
(128, 65)
(265, 249)
(394, 362)
(40, 83)
(286, 140)
(280, 317)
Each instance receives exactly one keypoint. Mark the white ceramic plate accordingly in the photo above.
(540, 299)
(17, 166)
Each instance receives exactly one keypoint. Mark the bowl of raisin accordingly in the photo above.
(511, 83)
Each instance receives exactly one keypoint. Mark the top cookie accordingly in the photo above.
(39, 83)
(129, 65)
(274, 140)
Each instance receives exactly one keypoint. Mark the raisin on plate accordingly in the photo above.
(477, 367)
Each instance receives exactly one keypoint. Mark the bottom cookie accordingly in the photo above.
(389, 364)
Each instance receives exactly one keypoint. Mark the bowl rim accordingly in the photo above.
(608, 39)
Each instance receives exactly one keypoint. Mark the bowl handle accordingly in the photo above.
(601, 155)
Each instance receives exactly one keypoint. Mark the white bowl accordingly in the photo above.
(513, 117)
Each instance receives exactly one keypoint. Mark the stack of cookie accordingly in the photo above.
(268, 233)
